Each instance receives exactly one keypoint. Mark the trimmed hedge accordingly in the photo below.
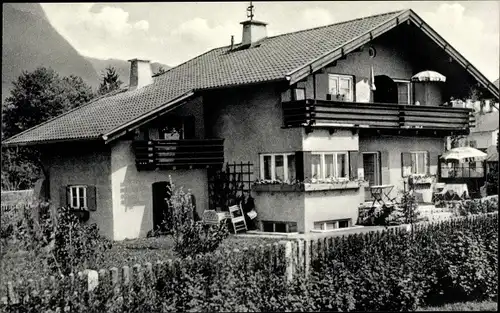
(391, 270)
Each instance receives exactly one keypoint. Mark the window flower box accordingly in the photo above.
(310, 185)
(82, 214)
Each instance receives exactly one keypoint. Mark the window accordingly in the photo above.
(172, 131)
(340, 87)
(403, 91)
(78, 197)
(414, 163)
(277, 167)
(327, 165)
(419, 163)
(330, 225)
(279, 227)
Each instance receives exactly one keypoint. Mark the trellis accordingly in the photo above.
(229, 183)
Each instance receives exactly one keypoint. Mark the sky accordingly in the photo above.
(174, 32)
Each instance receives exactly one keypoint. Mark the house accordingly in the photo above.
(485, 132)
(328, 107)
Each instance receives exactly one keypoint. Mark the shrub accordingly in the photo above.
(192, 237)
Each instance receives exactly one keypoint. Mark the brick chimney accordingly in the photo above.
(140, 74)
(253, 31)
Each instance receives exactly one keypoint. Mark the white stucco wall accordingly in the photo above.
(394, 146)
(322, 140)
(82, 165)
(132, 195)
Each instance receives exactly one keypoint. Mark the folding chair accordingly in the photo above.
(438, 193)
(237, 218)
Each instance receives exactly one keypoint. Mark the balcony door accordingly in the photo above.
(386, 90)
(371, 169)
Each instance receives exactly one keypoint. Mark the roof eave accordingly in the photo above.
(313, 66)
(318, 63)
(145, 118)
(48, 142)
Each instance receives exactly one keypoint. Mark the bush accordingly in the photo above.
(393, 270)
(474, 206)
(60, 242)
(192, 237)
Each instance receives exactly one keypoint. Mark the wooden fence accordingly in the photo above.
(287, 258)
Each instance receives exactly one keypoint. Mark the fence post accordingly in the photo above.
(288, 257)
(92, 279)
(307, 255)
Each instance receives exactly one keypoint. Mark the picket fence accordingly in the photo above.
(294, 256)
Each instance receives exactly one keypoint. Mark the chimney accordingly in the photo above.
(253, 31)
(140, 74)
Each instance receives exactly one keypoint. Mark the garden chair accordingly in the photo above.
(212, 217)
(438, 193)
(237, 218)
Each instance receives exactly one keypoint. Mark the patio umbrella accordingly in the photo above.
(428, 76)
(464, 155)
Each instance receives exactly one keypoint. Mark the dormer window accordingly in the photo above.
(340, 87)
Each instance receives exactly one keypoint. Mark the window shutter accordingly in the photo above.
(353, 165)
(303, 165)
(384, 161)
(189, 127)
(91, 198)
(428, 163)
(63, 196)
(405, 164)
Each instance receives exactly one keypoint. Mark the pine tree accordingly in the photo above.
(110, 81)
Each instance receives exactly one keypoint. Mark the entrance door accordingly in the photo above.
(371, 168)
(161, 209)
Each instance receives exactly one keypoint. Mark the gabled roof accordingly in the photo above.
(290, 57)
(486, 122)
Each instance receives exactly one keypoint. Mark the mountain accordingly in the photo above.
(122, 67)
(30, 41)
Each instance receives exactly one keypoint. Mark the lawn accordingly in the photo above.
(25, 264)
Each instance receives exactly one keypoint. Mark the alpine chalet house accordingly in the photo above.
(319, 111)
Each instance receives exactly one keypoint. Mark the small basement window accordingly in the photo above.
(333, 224)
(279, 227)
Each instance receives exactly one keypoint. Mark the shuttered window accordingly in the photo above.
(79, 197)
(414, 163)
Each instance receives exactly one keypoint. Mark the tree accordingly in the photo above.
(36, 97)
(160, 70)
(40, 95)
(110, 81)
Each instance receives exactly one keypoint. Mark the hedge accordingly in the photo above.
(394, 269)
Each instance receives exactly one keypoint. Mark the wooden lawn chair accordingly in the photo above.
(237, 218)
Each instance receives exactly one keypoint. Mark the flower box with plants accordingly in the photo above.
(306, 185)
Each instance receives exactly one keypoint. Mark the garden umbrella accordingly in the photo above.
(428, 76)
(464, 155)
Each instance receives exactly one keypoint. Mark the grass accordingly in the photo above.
(16, 264)
(464, 306)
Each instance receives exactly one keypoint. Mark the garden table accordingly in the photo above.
(379, 192)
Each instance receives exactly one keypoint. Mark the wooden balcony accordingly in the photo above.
(177, 154)
(378, 116)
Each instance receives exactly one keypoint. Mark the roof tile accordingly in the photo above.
(271, 59)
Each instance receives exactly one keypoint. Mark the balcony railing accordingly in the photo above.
(376, 115)
(176, 154)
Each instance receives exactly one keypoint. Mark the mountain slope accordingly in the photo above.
(122, 67)
(30, 41)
